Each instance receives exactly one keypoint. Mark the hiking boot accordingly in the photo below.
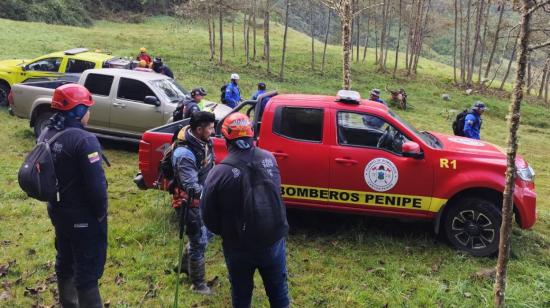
(68, 297)
(197, 273)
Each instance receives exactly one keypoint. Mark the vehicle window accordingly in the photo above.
(99, 84)
(45, 65)
(171, 89)
(355, 129)
(299, 123)
(134, 90)
(78, 66)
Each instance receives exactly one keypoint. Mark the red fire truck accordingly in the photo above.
(346, 154)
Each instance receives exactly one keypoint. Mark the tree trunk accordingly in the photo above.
(326, 41)
(220, 22)
(213, 29)
(467, 43)
(375, 42)
(381, 66)
(462, 44)
(529, 76)
(547, 84)
(421, 33)
(495, 40)
(245, 16)
(387, 42)
(312, 29)
(233, 37)
(544, 78)
(509, 66)
(358, 35)
(254, 11)
(415, 36)
(248, 40)
(477, 35)
(267, 47)
(345, 20)
(210, 36)
(398, 40)
(454, 48)
(282, 71)
(366, 41)
(512, 145)
(482, 52)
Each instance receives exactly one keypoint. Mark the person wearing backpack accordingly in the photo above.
(189, 106)
(241, 202)
(192, 159)
(232, 95)
(79, 212)
(473, 121)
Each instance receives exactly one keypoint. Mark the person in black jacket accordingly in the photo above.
(79, 214)
(159, 67)
(192, 159)
(224, 203)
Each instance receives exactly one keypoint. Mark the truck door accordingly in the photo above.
(129, 112)
(378, 179)
(298, 137)
(100, 87)
(45, 67)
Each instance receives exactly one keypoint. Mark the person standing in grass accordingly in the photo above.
(79, 214)
(192, 159)
(472, 122)
(232, 96)
(241, 201)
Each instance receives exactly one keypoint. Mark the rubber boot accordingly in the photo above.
(90, 298)
(196, 272)
(68, 297)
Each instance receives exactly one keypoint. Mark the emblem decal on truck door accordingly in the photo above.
(381, 174)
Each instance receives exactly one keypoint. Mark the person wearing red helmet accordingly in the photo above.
(241, 201)
(79, 215)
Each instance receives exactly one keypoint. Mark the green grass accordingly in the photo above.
(333, 260)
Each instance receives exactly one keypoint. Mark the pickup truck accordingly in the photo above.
(349, 155)
(127, 102)
(53, 65)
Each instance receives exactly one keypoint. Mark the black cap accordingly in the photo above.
(261, 86)
(198, 91)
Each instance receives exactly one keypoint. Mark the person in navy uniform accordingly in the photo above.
(472, 122)
(79, 214)
(232, 92)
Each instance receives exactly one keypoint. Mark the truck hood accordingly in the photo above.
(11, 65)
(469, 146)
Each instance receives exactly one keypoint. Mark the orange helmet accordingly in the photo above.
(237, 125)
(142, 63)
(68, 96)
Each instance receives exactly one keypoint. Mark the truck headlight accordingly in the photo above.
(526, 174)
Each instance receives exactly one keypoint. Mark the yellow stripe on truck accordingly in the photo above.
(362, 198)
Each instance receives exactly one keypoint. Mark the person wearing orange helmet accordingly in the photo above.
(79, 213)
(241, 201)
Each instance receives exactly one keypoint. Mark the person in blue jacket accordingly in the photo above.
(261, 90)
(375, 96)
(472, 122)
(79, 214)
(232, 92)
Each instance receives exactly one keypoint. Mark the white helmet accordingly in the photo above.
(235, 76)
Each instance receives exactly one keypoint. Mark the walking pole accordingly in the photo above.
(183, 218)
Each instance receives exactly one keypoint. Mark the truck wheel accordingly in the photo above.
(41, 121)
(4, 91)
(473, 225)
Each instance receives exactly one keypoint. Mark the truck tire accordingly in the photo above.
(473, 225)
(41, 121)
(4, 91)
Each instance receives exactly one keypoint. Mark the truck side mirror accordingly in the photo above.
(412, 149)
(152, 100)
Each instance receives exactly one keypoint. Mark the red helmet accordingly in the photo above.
(237, 125)
(68, 96)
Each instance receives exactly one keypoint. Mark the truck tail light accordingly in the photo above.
(144, 156)
(10, 99)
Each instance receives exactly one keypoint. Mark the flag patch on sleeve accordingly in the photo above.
(93, 157)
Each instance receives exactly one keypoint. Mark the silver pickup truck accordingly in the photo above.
(127, 103)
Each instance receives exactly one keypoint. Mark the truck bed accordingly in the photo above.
(26, 94)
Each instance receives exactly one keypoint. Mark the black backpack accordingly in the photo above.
(37, 173)
(179, 111)
(166, 169)
(222, 97)
(263, 212)
(458, 123)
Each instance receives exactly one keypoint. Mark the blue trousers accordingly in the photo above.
(270, 262)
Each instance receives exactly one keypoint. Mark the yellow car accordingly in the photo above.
(55, 64)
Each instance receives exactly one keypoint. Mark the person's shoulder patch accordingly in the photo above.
(94, 157)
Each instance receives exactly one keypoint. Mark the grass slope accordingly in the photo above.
(333, 260)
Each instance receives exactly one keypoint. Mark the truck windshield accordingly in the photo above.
(171, 89)
(425, 136)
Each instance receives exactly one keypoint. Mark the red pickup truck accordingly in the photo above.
(345, 154)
